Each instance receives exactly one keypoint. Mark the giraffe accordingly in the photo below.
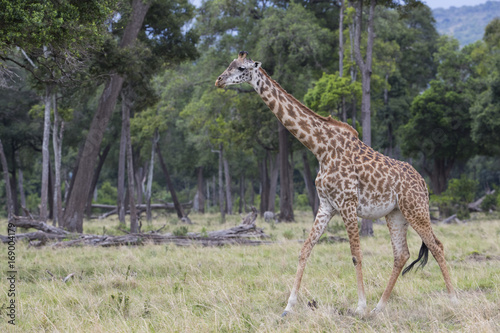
(353, 180)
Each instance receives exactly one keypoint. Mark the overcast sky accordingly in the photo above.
(455, 3)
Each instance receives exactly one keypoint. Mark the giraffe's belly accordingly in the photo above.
(376, 208)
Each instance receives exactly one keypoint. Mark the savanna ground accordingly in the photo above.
(165, 288)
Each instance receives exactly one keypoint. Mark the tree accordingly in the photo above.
(485, 111)
(439, 128)
(167, 38)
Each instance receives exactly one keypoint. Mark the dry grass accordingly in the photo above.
(157, 288)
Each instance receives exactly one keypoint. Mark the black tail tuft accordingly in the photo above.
(422, 255)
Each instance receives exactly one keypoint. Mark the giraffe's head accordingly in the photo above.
(239, 71)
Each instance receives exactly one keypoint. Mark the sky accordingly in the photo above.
(455, 3)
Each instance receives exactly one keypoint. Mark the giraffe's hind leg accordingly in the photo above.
(421, 223)
(398, 227)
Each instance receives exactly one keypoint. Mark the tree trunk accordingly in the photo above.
(120, 203)
(139, 180)
(126, 105)
(264, 181)
(170, 185)
(439, 174)
(95, 178)
(199, 189)
(73, 215)
(365, 67)
(22, 195)
(45, 156)
(312, 194)
(286, 201)
(57, 136)
(227, 177)
(221, 187)
(354, 73)
(274, 181)
(341, 57)
(149, 184)
(242, 205)
(366, 228)
(10, 202)
(13, 180)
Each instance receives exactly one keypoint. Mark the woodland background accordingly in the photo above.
(113, 104)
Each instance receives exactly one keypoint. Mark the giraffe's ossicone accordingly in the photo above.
(354, 180)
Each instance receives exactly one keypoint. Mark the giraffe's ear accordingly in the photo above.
(257, 64)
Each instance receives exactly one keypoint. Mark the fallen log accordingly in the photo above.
(243, 234)
(29, 222)
(476, 205)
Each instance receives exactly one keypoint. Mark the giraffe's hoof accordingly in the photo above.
(376, 311)
(360, 310)
(284, 314)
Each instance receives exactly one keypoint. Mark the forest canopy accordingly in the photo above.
(112, 103)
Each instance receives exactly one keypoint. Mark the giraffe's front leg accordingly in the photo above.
(325, 213)
(350, 217)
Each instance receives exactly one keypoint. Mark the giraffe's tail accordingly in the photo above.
(422, 255)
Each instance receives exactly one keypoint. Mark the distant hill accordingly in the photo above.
(466, 23)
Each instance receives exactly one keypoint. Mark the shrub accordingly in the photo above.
(181, 231)
(288, 234)
(456, 197)
(489, 203)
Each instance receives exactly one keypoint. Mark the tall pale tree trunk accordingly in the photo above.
(341, 56)
(149, 185)
(365, 66)
(57, 136)
(354, 73)
(242, 204)
(45, 155)
(20, 184)
(221, 186)
(73, 214)
(264, 181)
(120, 204)
(126, 105)
(199, 190)
(273, 184)
(286, 198)
(5, 168)
(227, 177)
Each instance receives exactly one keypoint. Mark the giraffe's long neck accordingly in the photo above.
(311, 129)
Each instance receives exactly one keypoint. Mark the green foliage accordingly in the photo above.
(180, 231)
(459, 193)
(489, 202)
(64, 24)
(107, 194)
(326, 95)
(301, 202)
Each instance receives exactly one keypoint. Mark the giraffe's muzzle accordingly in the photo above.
(220, 82)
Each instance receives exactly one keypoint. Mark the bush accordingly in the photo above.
(456, 197)
(181, 231)
(489, 203)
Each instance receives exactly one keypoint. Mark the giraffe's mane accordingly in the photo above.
(328, 119)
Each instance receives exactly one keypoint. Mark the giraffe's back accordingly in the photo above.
(385, 184)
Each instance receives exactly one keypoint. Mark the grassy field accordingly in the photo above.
(165, 288)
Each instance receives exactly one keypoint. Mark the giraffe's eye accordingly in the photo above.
(241, 69)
